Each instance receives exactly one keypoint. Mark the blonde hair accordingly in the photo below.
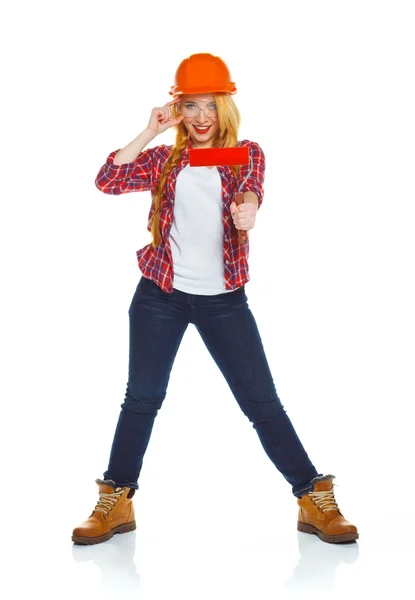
(226, 137)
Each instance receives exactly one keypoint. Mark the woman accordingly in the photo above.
(194, 271)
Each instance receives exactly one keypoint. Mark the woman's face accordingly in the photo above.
(201, 127)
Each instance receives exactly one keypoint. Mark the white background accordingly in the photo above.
(327, 89)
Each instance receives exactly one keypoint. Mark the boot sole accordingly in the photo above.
(332, 539)
(106, 536)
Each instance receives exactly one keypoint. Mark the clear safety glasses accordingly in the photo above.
(191, 109)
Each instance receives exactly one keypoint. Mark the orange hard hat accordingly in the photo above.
(202, 73)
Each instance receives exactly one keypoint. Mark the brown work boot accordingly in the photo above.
(319, 513)
(114, 513)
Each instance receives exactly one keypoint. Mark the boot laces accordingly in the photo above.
(107, 501)
(324, 500)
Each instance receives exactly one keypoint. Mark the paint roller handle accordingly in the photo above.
(239, 199)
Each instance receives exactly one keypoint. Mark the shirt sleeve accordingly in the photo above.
(138, 176)
(251, 176)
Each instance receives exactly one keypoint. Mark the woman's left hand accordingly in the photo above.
(244, 215)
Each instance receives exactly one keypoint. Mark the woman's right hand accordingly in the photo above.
(161, 118)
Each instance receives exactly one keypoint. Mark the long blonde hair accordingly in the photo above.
(226, 137)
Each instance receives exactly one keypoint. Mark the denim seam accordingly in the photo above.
(269, 440)
(236, 386)
(115, 484)
(310, 485)
(231, 378)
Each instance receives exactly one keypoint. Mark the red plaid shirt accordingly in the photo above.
(144, 173)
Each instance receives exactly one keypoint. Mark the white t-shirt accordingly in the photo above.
(196, 235)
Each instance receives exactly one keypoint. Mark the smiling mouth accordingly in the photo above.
(202, 130)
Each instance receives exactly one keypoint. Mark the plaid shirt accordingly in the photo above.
(144, 173)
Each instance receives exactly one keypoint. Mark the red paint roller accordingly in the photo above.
(211, 157)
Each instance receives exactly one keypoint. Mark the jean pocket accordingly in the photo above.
(149, 287)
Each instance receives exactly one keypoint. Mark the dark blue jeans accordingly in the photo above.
(227, 326)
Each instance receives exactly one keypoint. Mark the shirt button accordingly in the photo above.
(227, 262)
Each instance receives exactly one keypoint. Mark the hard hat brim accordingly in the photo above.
(177, 90)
